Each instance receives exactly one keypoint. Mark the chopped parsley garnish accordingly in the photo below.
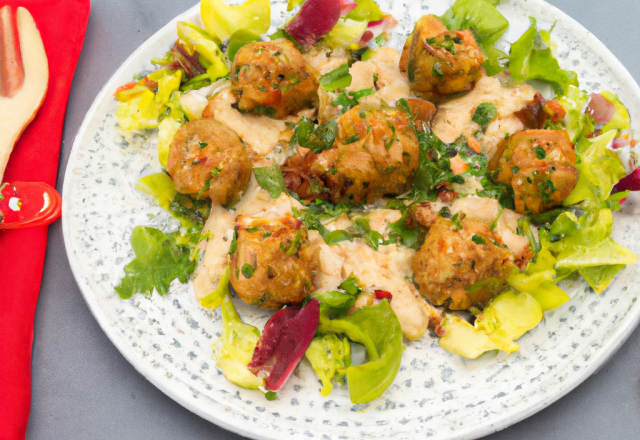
(484, 114)
(478, 239)
(540, 153)
(457, 221)
(202, 144)
(437, 70)
(336, 79)
(270, 179)
(247, 270)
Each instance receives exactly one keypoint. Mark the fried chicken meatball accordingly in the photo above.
(208, 159)
(440, 62)
(273, 264)
(539, 165)
(272, 78)
(465, 267)
(376, 153)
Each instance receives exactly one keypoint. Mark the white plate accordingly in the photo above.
(168, 339)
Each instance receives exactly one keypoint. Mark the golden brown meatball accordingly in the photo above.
(465, 267)
(273, 263)
(440, 62)
(272, 78)
(208, 159)
(538, 164)
(376, 153)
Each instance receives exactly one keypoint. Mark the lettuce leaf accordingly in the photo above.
(138, 113)
(330, 357)
(585, 245)
(191, 213)
(576, 122)
(345, 32)
(207, 46)
(620, 120)
(532, 58)
(487, 25)
(378, 329)
(235, 347)
(367, 11)
(600, 169)
(509, 316)
(539, 280)
(160, 259)
(222, 20)
(215, 298)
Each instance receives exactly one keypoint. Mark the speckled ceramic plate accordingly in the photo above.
(168, 339)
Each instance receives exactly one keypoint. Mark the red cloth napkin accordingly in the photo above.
(62, 24)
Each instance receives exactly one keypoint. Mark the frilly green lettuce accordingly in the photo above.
(211, 57)
(585, 245)
(138, 113)
(600, 169)
(222, 20)
(509, 316)
(532, 58)
(367, 11)
(539, 280)
(577, 123)
(620, 120)
(487, 25)
(345, 32)
(330, 357)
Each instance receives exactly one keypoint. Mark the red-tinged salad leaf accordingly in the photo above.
(283, 343)
(26, 204)
(160, 259)
(315, 19)
(600, 109)
(532, 58)
(629, 183)
(378, 329)
(346, 6)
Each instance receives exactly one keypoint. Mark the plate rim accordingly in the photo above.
(615, 339)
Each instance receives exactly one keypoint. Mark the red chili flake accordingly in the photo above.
(380, 294)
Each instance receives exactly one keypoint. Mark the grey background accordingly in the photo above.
(84, 389)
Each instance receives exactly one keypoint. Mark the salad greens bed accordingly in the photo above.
(571, 240)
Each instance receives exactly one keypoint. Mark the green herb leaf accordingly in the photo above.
(337, 236)
(315, 139)
(160, 259)
(486, 112)
(295, 243)
(247, 270)
(336, 79)
(478, 239)
(271, 395)
(270, 178)
(233, 247)
(266, 111)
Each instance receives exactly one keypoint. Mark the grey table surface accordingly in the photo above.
(84, 389)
